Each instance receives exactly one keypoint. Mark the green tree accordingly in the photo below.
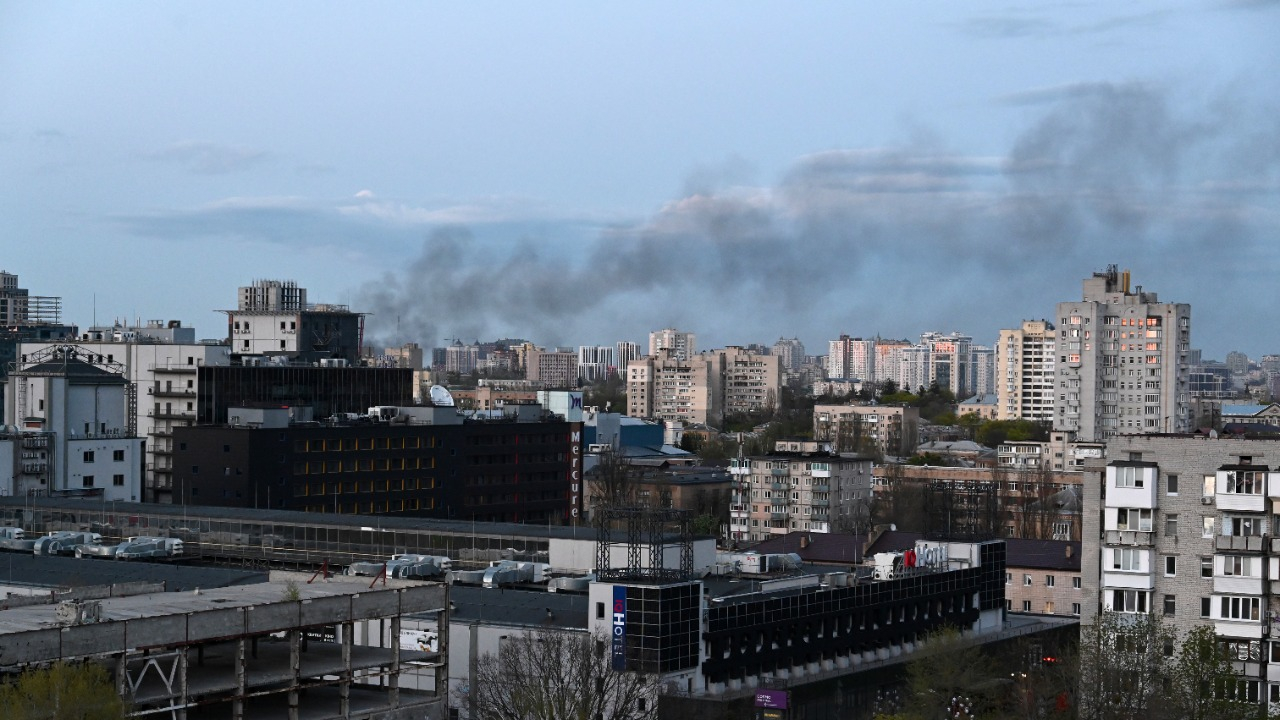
(1123, 663)
(64, 691)
(1202, 684)
(557, 675)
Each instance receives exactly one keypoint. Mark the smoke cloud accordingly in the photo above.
(894, 241)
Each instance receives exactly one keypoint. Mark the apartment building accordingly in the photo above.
(893, 430)
(1025, 379)
(674, 389)
(1182, 525)
(595, 362)
(790, 353)
(801, 486)
(683, 345)
(949, 362)
(1122, 361)
(554, 369)
(751, 381)
(161, 361)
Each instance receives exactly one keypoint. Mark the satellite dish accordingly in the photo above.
(440, 396)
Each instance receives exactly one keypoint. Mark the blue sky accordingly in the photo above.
(582, 173)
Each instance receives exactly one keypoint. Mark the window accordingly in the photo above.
(117, 480)
(1008, 578)
(1242, 650)
(1075, 583)
(1204, 607)
(1075, 608)
(1170, 566)
(1209, 483)
(1208, 527)
(88, 456)
(87, 481)
(1048, 608)
(1244, 482)
(1129, 477)
(1171, 484)
(1206, 566)
(599, 610)
(1026, 580)
(118, 455)
(1129, 601)
(1241, 566)
(1133, 519)
(1026, 606)
(1242, 526)
(1240, 608)
(1171, 525)
(1126, 559)
(1170, 606)
(1048, 581)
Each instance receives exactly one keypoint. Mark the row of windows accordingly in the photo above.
(116, 456)
(363, 486)
(322, 467)
(412, 442)
(89, 480)
(1049, 607)
(1049, 580)
(370, 508)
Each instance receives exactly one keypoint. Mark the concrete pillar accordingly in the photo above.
(182, 683)
(394, 681)
(295, 667)
(344, 686)
(122, 674)
(237, 705)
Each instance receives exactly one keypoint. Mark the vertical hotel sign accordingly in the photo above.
(619, 629)
(574, 415)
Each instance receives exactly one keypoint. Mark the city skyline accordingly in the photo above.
(581, 175)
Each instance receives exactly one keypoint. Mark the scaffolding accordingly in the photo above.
(645, 534)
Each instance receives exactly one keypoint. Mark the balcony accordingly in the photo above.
(172, 392)
(1239, 543)
(820, 503)
(824, 473)
(780, 486)
(779, 516)
(172, 414)
(175, 368)
(821, 488)
(1137, 538)
(1237, 585)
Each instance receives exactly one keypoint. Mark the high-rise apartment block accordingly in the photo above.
(1025, 361)
(1182, 526)
(557, 369)
(751, 381)
(851, 358)
(1122, 361)
(682, 344)
(625, 352)
(790, 353)
(671, 388)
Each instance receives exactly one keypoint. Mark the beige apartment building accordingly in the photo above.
(893, 430)
(1025, 363)
(751, 381)
(801, 486)
(670, 388)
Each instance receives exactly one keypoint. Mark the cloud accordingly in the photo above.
(893, 240)
(1030, 24)
(881, 239)
(207, 158)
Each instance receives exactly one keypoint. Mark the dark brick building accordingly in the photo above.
(487, 471)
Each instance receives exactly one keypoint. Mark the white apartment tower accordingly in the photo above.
(670, 388)
(1122, 361)
(683, 344)
(1025, 361)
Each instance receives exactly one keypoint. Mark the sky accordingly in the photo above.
(583, 173)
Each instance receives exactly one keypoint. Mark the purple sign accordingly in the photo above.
(771, 699)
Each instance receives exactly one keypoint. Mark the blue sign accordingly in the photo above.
(619, 629)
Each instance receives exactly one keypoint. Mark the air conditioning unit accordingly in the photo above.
(1206, 501)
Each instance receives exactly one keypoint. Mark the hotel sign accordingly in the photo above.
(619, 629)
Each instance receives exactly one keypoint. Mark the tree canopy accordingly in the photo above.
(64, 691)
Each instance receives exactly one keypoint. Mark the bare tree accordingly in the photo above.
(612, 482)
(558, 675)
(1123, 660)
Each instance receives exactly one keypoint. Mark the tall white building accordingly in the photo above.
(626, 351)
(594, 362)
(1122, 361)
(1025, 380)
(68, 406)
(950, 362)
(682, 344)
(162, 362)
(790, 353)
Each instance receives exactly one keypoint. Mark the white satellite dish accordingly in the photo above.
(440, 396)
